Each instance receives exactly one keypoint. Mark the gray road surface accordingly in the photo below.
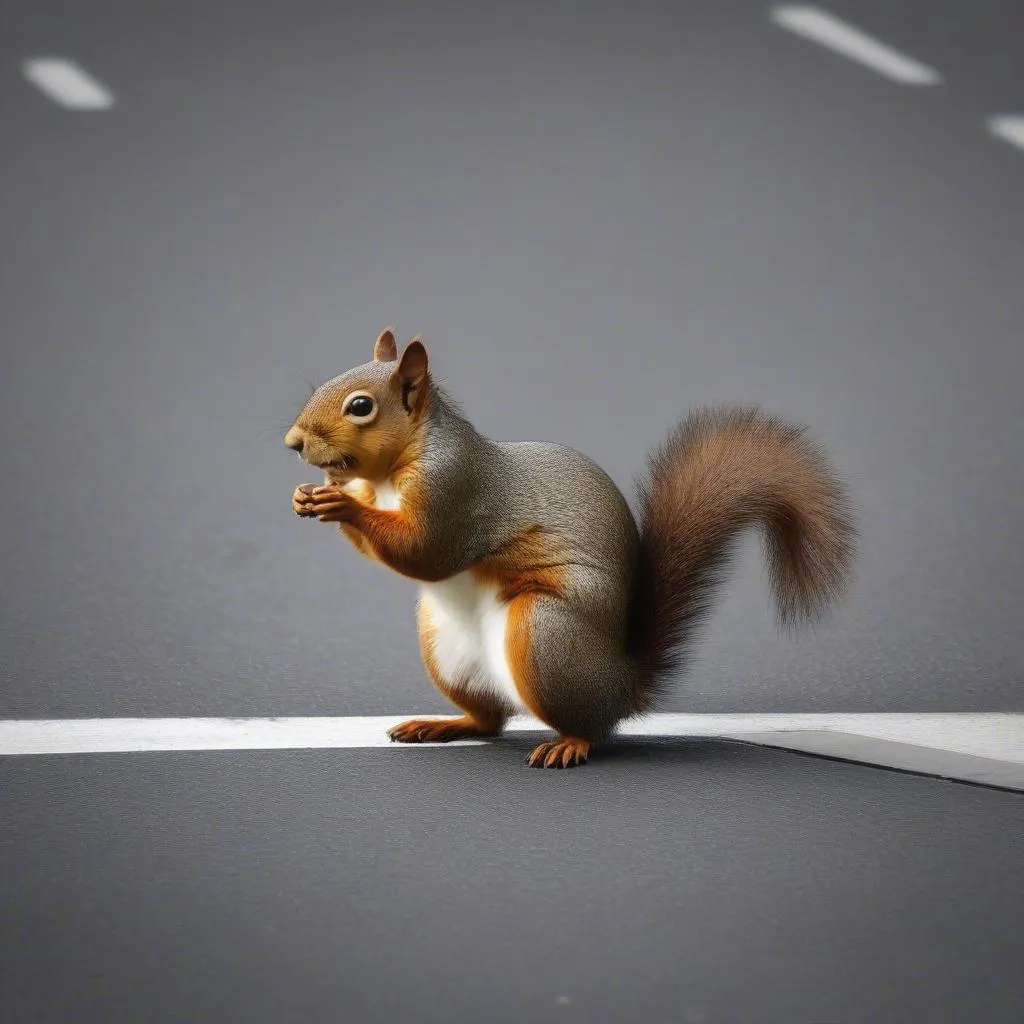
(698, 882)
(597, 215)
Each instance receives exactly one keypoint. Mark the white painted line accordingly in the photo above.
(825, 29)
(109, 735)
(67, 84)
(953, 744)
(1009, 128)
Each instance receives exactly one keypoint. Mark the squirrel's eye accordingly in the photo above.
(360, 407)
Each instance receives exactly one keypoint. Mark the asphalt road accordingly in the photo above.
(676, 884)
(596, 215)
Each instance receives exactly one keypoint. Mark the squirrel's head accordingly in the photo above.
(359, 424)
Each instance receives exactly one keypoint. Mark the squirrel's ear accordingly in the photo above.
(411, 374)
(385, 351)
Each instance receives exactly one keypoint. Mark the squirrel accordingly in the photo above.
(539, 590)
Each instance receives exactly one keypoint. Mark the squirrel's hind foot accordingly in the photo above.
(565, 752)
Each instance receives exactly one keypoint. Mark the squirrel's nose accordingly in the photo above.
(294, 440)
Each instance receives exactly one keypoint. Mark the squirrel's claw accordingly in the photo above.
(565, 752)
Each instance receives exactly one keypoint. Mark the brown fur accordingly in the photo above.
(346, 449)
(363, 492)
(519, 652)
(719, 472)
(392, 537)
(529, 563)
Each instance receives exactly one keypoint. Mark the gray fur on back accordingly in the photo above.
(495, 491)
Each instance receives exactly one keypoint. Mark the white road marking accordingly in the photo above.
(1009, 128)
(983, 747)
(67, 84)
(827, 30)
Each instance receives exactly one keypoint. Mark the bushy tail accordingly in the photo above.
(719, 472)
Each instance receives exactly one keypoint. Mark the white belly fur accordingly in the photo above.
(469, 622)
(386, 495)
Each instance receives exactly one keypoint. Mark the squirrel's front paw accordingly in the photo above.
(331, 504)
(302, 500)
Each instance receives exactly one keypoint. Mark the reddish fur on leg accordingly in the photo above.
(394, 537)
